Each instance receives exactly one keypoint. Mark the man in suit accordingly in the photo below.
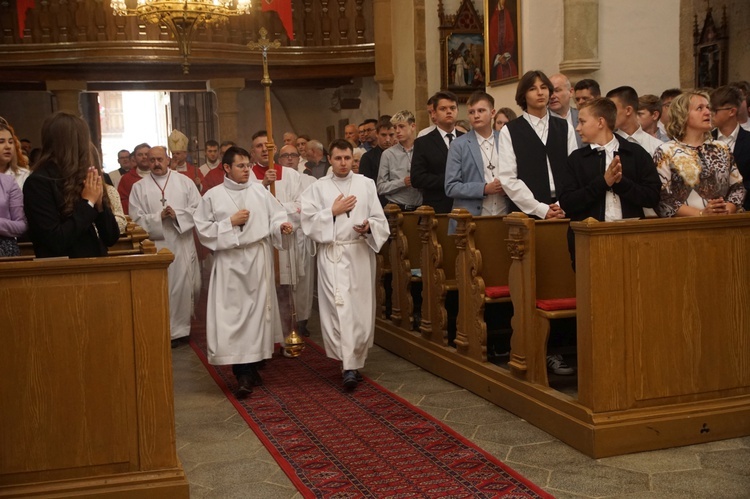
(725, 104)
(611, 179)
(559, 102)
(431, 153)
(470, 173)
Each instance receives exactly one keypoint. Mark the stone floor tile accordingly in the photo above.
(513, 433)
(730, 461)
(211, 413)
(561, 494)
(702, 484)
(547, 455)
(495, 449)
(648, 495)
(207, 433)
(465, 430)
(480, 415)
(263, 455)
(457, 399)
(251, 491)
(420, 382)
(596, 480)
(733, 443)
(537, 476)
(246, 445)
(198, 492)
(678, 459)
(228, 473)
(438, 413)
(281, 479)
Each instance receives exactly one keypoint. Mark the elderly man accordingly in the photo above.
(317, 164)
(178, 146)
(559, 103)
(351, 134)
(163, 204)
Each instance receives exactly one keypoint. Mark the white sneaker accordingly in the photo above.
(556, 365)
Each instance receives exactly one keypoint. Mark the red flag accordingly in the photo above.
(21, 7)
(284, 9)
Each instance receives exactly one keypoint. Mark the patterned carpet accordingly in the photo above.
(368, 443)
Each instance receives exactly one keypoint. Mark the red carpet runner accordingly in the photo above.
(368, 443)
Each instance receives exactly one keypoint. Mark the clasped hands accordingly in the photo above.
(494, 187)
(93, 188)
(717, 207)
(242, 216)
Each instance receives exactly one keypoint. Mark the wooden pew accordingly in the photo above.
(663, 326)
(542, 287)
(404, 256)
(438, 263)
(87, 380)
(482, 266)
(382, 281)
(129, 243)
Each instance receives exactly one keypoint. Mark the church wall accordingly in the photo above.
(26, 111)
(304, 111)
(402, 29)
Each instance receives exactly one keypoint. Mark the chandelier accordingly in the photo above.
(182, 17)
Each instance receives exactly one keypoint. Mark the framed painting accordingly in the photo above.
(462, 51)
(502, 35)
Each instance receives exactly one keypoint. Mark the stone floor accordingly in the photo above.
(223, 458)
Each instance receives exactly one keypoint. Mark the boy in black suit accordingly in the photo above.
(725, 104)
(431, 153)
(611, 178)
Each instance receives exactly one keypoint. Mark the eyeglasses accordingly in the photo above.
(721, 109)
(289, 155)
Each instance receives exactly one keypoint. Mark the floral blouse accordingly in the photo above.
(694, 175)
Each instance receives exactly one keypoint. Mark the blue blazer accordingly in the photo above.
(464, 174)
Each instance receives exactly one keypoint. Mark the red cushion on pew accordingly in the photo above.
(497, 291)
(556, 304)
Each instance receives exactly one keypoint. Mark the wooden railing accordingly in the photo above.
(316, 23)
(84, 39)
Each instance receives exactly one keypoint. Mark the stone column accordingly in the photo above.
(581, 45)
(67, 94)
(227, 90)
(381, 10)
(420, 64)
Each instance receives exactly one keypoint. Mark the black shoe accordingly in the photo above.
(175, 343)
(358, 376)
(245, 387)
(350, 379)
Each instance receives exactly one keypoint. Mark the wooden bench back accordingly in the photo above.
(410, 228)
(448, 245)
(554, 273)
(490, 234)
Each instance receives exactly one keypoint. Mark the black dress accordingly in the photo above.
(84, 233)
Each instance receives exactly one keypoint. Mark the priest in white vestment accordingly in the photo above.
(341, 213)
(239, 220)
(163, 204)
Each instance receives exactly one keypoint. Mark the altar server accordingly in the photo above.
(341, 212)
(163, 204)
(239, 220)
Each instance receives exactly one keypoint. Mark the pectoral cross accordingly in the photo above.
(163, 202)
(491, 168)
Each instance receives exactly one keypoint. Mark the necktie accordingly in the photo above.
(450, 138)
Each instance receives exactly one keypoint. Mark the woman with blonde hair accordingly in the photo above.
(699, 176)
(12, 162)
(64, 200)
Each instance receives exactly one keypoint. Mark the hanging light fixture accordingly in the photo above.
(183, 16)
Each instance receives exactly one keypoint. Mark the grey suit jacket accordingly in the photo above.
(464, 174)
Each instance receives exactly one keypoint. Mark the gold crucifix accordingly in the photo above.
(264, 44)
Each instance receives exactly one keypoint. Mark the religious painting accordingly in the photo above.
(503, 41)
(462, 50)
(465, 53)
(710, 48)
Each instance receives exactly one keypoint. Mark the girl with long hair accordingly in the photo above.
(64, 200)
(12, 161)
